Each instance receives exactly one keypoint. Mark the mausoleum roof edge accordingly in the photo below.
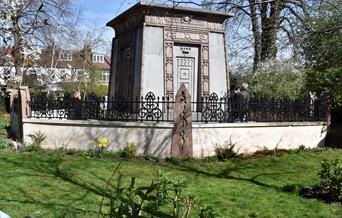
(141, 5)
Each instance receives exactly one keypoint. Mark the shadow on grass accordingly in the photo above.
(49, 165)
(43, 167)
(226, 173)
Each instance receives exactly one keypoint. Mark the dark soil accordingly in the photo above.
(334, 138)
(319, 193)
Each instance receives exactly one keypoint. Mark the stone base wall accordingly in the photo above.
(151, 138)
(155, 138)
(250, 137)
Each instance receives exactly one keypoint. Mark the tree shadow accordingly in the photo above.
(51, 168)
(227, 172)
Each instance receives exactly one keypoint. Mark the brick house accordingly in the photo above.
(56, 66)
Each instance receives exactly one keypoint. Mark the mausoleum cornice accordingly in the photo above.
(169, 16)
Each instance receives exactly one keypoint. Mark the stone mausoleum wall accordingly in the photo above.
(155, 138)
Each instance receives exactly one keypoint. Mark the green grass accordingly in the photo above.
(48, 184)
(51, 184)
(4, 122)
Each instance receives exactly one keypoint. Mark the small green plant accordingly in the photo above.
(162, 198)
(207, 212)
(2, 102)
(225, 152)
(148, 157)
(5, 144)
(63, 151)
(331, 177)
(37, 140)
(129, 150)
(300, 149)
(98, 147)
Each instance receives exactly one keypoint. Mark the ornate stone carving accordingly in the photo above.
(205, 69)
(186, 36)
(214, 26)
(206, 86)
(169, 83)
(169, 66)
(181, 20)
(158, 20)
(168, 46)
(205, 53)
(186, 19)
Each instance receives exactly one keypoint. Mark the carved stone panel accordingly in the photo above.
(182, 129)
(185, 20)
(168, 52)
(186, 36)
(157, 20)
(205, 69)
(215, 26)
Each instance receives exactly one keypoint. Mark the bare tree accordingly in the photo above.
(263, 25)
(24, 22)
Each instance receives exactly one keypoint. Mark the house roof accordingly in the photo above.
(77, 61)
(176, 9)
(103, 65)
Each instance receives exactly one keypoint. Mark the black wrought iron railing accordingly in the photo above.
(151, 108)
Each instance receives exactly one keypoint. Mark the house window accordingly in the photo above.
(98, 58)
(66, 57)
(104, 77)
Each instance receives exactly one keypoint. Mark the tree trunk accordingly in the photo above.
(270, 17)
(17, 48)
(256, 34)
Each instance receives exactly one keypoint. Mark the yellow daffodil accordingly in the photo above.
(104, 141)
(103, 145)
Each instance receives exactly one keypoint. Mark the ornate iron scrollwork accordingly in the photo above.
(118, 109)
(90, 107)
(150, 108)
(213, 109)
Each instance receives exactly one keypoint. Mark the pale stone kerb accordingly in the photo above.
(98, 123)
(257, 125)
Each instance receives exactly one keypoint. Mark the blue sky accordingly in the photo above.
(99, 12)
(96, 13)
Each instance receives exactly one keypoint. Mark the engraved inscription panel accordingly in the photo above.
(185, 74)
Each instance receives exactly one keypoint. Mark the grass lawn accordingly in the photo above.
(49, 184)
(3, 123)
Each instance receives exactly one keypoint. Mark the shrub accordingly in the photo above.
(331, 177)
(2, 102)
(37, 139)
(207, 212)
(301, 149)
(4, 144)
(271, 76)
(319, 80)
(148, 157)
(162, 198)
(225, 152)
(129, 150)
